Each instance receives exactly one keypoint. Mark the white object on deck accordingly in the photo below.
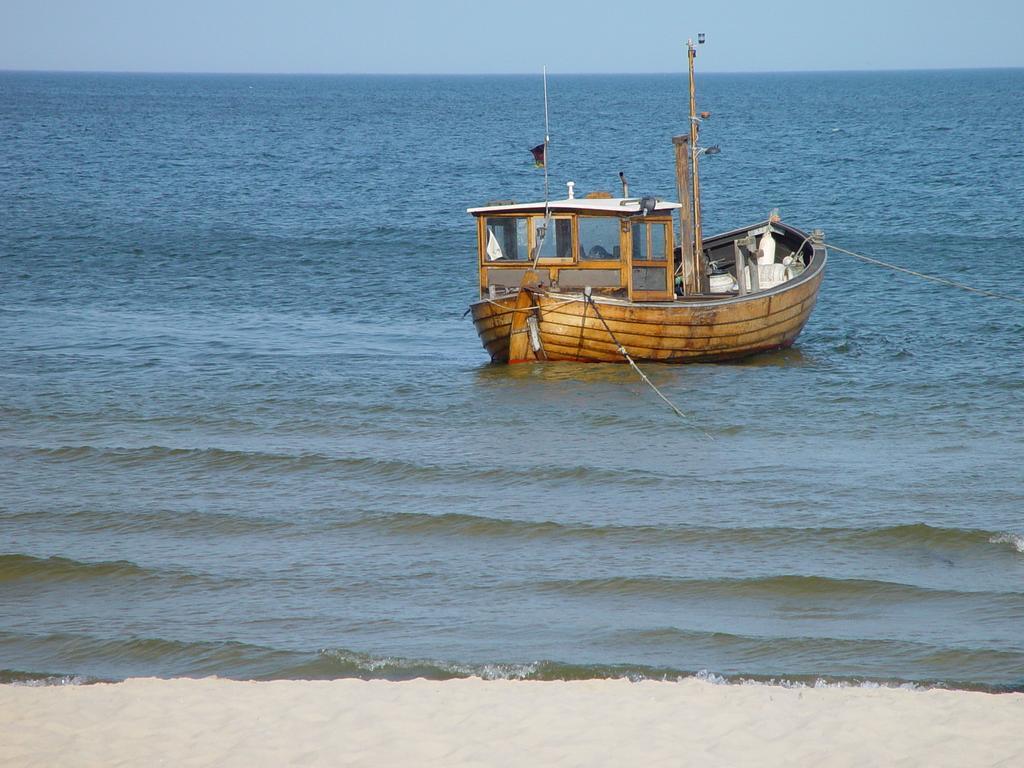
(770, 275)
(572, 189)
(721, 283)
(766, 249)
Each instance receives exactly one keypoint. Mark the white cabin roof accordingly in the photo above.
(610, 205)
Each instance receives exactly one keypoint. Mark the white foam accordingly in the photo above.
(529, 670)
(368, 663)
(820, 683)
(55, 680)
(711, 677)
(492, 671)
(1009, 538)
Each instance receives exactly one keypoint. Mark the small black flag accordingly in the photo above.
(538, 155)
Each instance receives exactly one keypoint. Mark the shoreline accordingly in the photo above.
(524, 673)
(470, 721)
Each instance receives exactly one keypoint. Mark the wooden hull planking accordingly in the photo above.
(705, 330)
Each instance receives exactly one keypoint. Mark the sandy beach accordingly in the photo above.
(473, 722)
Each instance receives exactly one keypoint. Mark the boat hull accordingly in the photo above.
(569, 328)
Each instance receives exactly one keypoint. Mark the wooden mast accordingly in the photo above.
(698, 242)
(687, 256)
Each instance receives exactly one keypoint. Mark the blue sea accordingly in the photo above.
(246, 429)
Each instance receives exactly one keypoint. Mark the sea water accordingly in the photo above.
(246, 429)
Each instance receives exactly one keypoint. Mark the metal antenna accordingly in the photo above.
(547, 140)
(698, 245)
(542, 231)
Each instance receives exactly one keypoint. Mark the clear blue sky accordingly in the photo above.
(452, 36)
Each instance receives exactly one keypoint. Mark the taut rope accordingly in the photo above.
(933, 278)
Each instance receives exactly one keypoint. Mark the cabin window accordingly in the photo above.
(649, 242)
(650, 274)
(507, 239)
(649, 279)
(558, 242)
(658, 242)
(599, 238)
(640, 242)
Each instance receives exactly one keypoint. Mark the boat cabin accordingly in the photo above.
(619, 247)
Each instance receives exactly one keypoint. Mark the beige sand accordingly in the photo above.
(476, 723)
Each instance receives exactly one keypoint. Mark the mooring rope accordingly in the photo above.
(641, 374)
(942, 280)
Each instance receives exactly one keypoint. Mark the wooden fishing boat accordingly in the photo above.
(585, 312)
(600, 279)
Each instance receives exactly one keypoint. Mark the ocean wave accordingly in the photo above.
(193, 522)
(352, 467)
(90, 659)
(343, 663)
(898, 536)
(922, 534)
(112, 658)
(1014, 540)
(785, 586)
(27, 568)
(796, 651)
(17, 567)
(458, 524)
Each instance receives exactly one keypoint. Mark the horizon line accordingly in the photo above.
(55, 71)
